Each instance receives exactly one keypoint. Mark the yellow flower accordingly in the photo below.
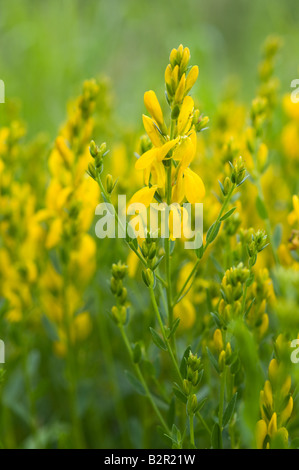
(286, 413)
(152, 131)
(186, 312)
(272, 427)
(188, 184)
(153, 106)
(144, 196)
(191, 78)
(260, 433)
(185, 116)
(218, 341)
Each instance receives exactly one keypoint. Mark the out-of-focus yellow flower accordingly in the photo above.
(186, 312)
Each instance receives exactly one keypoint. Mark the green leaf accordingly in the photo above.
(137, 353)
(277, 236)
(221, 187)
(135, 383)
(171, 412)
(215, 438)
(158, 340)
(213, 360)
(183, 365)
(174, 327)
(213, 232)
(179, 394)
(201, 404)
(50, 328)
(228, 413)
(228, 214)
(261, 208)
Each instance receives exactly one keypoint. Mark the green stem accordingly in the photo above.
(167, 251)
(191, 424)
(172, 356)
(221, 404)
(173, 359)
(143, 382)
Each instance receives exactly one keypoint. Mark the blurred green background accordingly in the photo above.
(49, 48)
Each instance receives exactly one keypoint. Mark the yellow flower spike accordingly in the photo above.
(260, 433)
(286, 413)
(144, 196)
(185, 114)
(64, 151)
(152, 131)
(180, 92)
(194, 187)
(191, 78)
(272, 427)
(273, 371)
(218, 341)
(268, 394)
(153, 106)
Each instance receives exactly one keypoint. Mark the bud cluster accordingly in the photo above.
(119, 311)
(276, 406)
(98, 153)
(177, 78)
(257, 244)
(194, 372)
(232, 288)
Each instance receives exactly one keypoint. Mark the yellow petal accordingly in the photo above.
(158, 173)
(260, 433)
(193, 187)
(185, 113)
(163, 151)
(144, 196)
(268, 394)
(286, 413)
(146, 159)
(272, 428)
(152, 131)
(184, 152)
(153, 106)
(191, 78)
(178, 190)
